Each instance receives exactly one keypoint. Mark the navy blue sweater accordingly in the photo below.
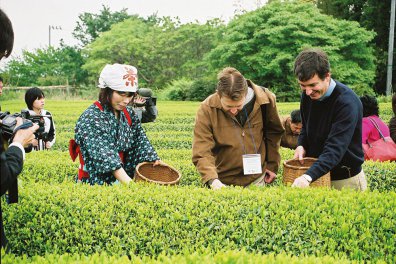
(332, 132)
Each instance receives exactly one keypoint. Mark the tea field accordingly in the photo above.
(59, 221)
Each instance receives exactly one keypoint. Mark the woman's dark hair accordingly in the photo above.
(106, 94)
(295, 116)
(394, 103)
(32, 95)
(370, 105)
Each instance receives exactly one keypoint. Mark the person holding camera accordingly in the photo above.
(144, 105)
(12, 157)
(108, 136)
(35, 101)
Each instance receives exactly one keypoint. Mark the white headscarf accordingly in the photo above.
(119, 77)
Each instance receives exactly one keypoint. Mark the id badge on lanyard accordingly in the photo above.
(251, 164)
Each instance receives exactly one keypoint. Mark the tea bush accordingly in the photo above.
(65, 222)
(220, 258)
(147, 220)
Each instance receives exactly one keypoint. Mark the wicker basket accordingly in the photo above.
(293, 169)
(161, 174)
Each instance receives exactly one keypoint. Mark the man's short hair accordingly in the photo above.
(310, 62)
(295, 116)
(231, 84)
(6, 35)
(31, 95)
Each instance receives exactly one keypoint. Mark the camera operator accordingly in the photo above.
(45, 136)
(144, 105)
(12, 158)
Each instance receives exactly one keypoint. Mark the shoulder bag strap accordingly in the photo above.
(264, 116)
(377, 127)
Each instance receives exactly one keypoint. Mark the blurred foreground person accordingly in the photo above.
(12, 158)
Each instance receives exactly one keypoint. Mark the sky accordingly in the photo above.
(31, 18)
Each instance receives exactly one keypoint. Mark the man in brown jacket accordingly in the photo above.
(229, 146)
(292, 125)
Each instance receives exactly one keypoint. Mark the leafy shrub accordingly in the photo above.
(201, 88)
(221, 257)
(177, 90)
(142, 219)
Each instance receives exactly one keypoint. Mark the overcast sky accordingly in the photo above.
(31, 18)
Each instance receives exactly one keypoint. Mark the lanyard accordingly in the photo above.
(243, 134)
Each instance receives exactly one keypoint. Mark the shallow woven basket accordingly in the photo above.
(161, 174)
(293, 169)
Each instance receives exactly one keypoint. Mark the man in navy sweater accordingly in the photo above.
(332, 125)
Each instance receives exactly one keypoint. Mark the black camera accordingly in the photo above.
(8, 123)
(147, 94)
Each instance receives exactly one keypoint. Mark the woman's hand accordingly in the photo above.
(158, 162)
(35, 143)
(122, 176)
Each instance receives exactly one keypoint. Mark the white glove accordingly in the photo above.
(217, 184)
(301, 182)
(299, 154)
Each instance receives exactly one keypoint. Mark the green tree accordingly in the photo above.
(161, 48)
(50, 66)
(263, 44)
(373, 15)
(91, 25)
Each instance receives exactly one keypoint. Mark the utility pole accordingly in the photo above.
(390, 50)
(49, 33)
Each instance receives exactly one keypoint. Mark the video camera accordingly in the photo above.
(147, 94)
(8, 123)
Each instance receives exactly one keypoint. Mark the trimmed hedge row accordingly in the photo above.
(57, 166)
(150, 220)
(221, 257)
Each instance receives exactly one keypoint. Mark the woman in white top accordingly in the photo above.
(45, 135)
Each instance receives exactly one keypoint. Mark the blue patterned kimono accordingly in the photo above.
(101, 137)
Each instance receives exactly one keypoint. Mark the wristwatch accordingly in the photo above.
(307, 177)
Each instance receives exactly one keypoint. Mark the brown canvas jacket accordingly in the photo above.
(289, 140)
(217, 143)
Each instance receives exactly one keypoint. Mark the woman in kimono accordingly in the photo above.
(109, 134)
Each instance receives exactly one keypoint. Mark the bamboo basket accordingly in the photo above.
(161, 174)
(293, 169)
